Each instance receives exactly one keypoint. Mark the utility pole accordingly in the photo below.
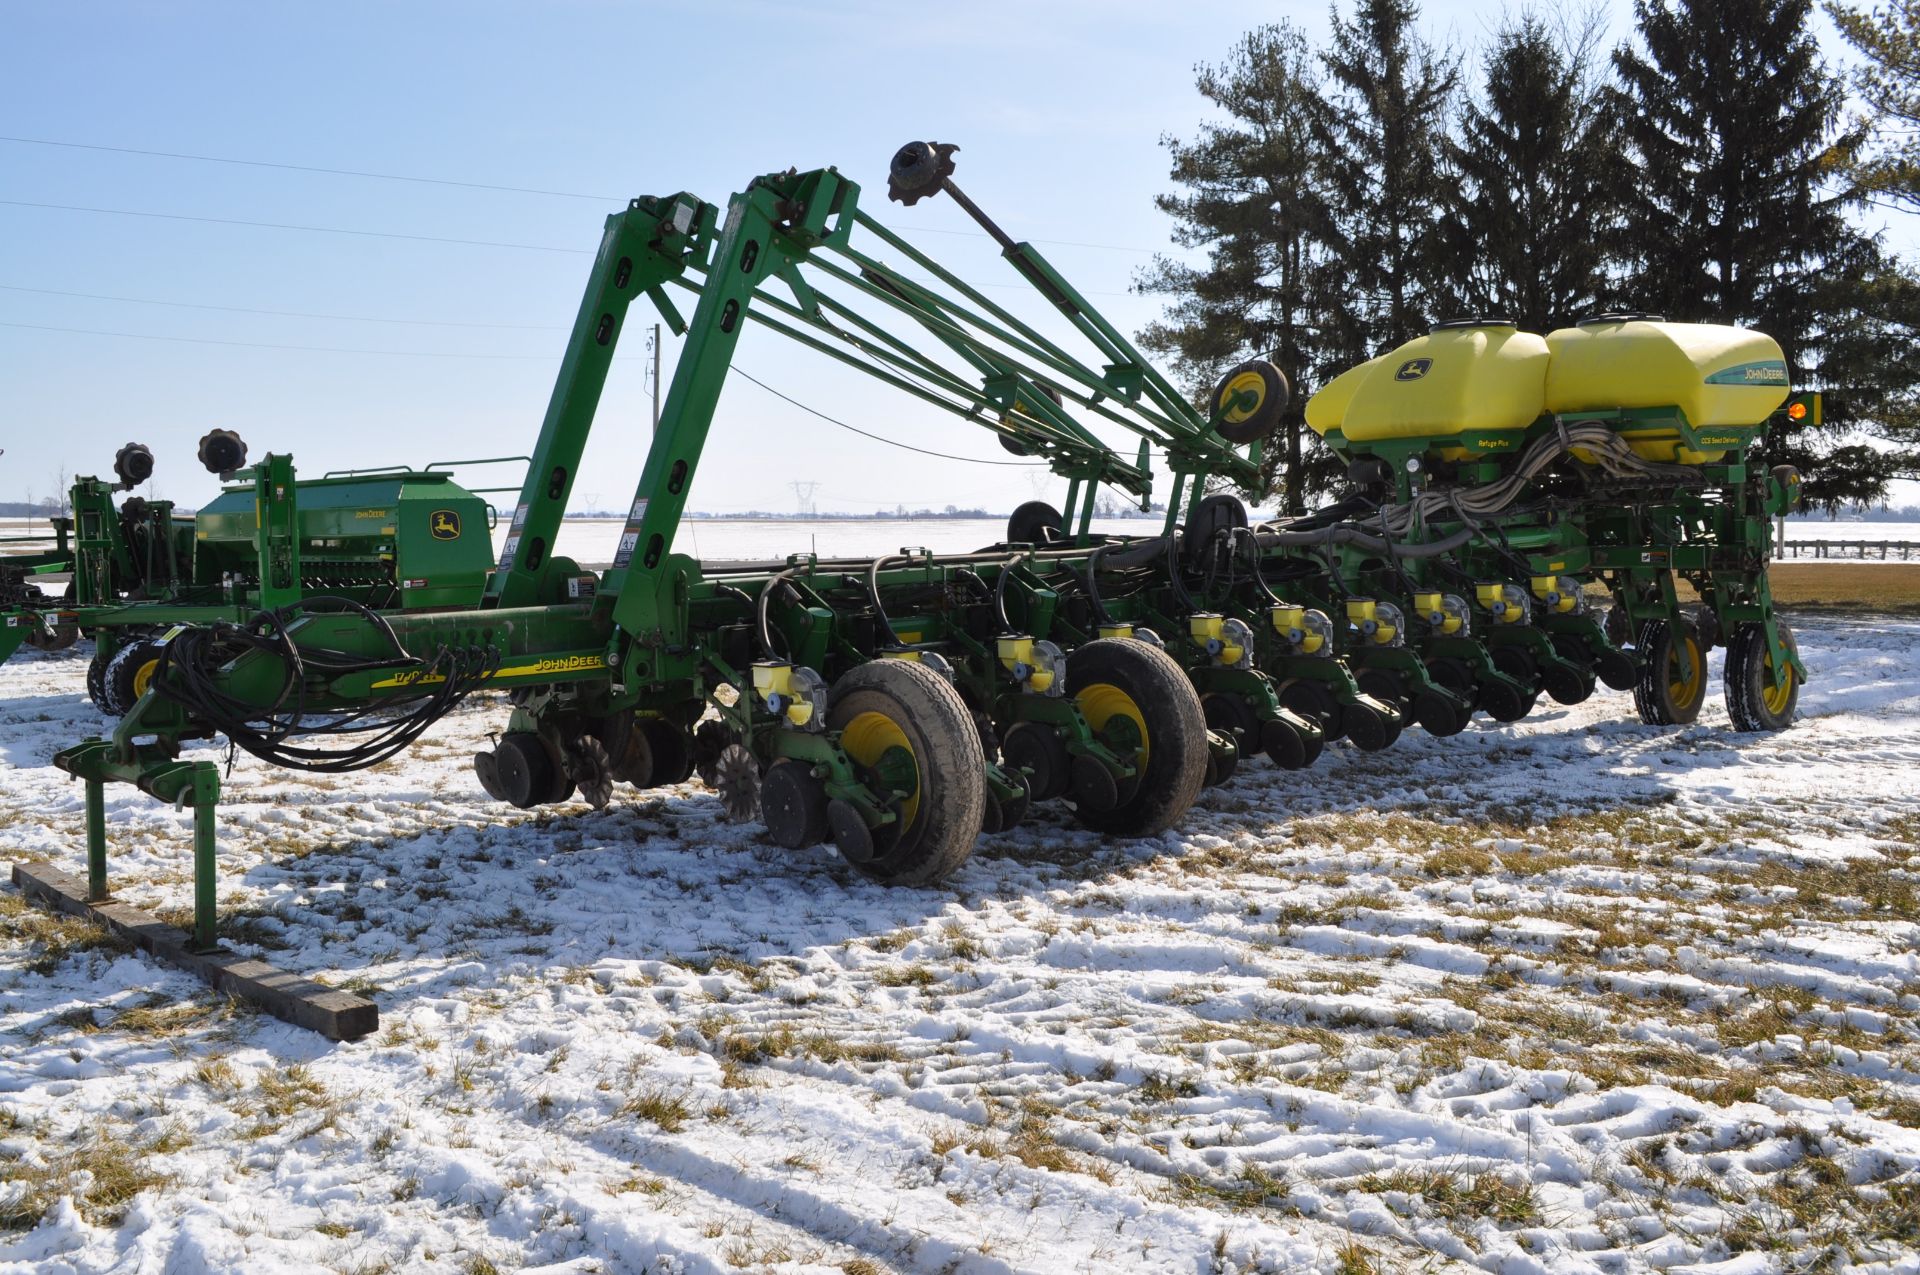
(805, 493)
(654, 345)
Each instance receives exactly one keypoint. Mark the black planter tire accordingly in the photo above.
(1753, 702)
(1673, 674)
(1120, 677)
(897, 717)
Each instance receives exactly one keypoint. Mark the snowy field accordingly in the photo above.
(1840, 529)
(1570, 995)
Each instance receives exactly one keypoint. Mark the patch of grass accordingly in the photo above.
(668, 1110)
(1252, 1189)
(1448, 1195)
(1458, 861)
(289, 1090)
(1156, 1087)
(914, 975)
(49, 937)
(1354, 1259)
(1846, 586)
(161, 1017)
(218, 1075)
(742, 1049)
(103, 1175)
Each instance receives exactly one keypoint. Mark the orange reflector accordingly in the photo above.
(1796, 411)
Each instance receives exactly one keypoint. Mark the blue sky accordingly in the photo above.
(1059, 108)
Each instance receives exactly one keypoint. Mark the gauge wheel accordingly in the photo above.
(1753, 700)
(914, 744)
(1139, 699)
(1673, 674)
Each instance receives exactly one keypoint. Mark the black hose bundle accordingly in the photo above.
(188, 674)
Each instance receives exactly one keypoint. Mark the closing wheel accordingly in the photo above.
(1566, 683)
(909, 734)
(1505, 702)
(1673, 674)
(1137, 698)
(1370, 729)
(1291, 745)
(793, 804)
(1753, 701)
(736, 777)
(1438, 714)
(1247, 402)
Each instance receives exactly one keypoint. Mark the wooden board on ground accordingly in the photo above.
(335, 1014)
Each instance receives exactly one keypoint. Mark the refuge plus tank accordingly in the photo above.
(1327, 409)
(1466, 376)
(1712, 373)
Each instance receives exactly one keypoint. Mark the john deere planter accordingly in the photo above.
(899, 706)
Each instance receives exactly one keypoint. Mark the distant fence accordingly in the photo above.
(1850, 548)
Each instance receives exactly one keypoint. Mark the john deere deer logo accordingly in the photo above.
(445, 525)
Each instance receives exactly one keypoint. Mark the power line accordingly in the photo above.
(466, 185)
(437, 354)
(278, 225)
(878, 438)
(308, 168)
(390, 234)
(285, 314)
(440, 354)
(267, 345)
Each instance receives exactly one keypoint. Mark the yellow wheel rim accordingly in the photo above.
(871, 736)
(1687, 669)
(1241, 384)
(1102, 701)
(143, 677)
(1777, 695)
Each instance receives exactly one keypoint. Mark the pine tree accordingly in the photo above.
(1734, 125)
(1889, 38)
(1540, 170)
(1248, 203)
(1382, 141)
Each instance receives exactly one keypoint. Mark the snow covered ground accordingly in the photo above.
(1571, 995)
